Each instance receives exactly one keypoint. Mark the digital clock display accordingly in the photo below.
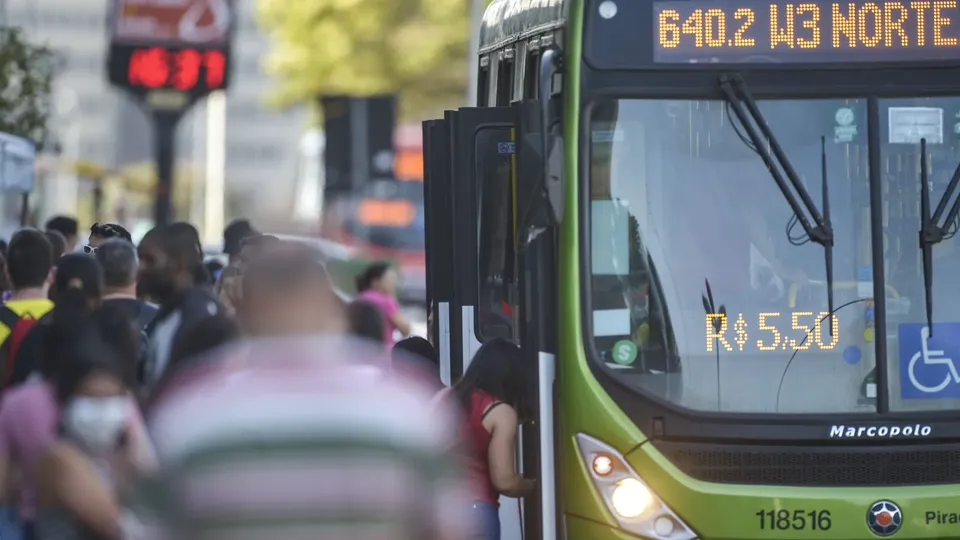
(806, 32)
(772, 331)
(190, 71)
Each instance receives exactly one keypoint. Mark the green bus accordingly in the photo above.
(723, 234)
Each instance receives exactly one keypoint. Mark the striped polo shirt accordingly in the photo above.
(304, 438)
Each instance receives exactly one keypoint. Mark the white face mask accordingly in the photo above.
(96, 422)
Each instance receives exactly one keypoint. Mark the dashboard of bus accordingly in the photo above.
(705, 289)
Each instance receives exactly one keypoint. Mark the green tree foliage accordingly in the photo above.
(366, 47)
(26, 76)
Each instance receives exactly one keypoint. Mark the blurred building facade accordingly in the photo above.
(97, 123)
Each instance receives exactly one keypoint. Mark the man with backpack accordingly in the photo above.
(29, 265)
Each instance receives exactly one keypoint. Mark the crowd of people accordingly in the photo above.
(148, 394)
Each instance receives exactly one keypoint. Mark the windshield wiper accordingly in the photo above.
(752, 120)
(932, 229)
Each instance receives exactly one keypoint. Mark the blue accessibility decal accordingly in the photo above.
(928, 363)
(506, 148)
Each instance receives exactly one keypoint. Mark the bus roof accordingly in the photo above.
(506, 21)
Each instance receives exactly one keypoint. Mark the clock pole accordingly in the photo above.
(164, 141)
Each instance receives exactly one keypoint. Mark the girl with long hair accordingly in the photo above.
(490, 393)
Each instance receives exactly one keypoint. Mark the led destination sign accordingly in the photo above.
(806, 32)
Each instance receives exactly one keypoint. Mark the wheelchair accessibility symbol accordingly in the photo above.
(928, 364)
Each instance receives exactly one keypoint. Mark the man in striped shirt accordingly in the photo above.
(309, 437)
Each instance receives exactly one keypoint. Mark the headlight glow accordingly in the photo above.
(633, 504)
(602, 465)
(630, 498)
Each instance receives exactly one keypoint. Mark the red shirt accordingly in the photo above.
(478, 464)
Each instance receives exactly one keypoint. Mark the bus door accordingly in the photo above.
(443, 322)
(537, 304)
(482, 258)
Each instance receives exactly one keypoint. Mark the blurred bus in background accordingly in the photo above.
(384, 219)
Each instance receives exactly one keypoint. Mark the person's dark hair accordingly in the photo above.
(418, 347)
(371, 273)
(70, 322)
(181, 241)
(110, 230)
(57, 242)
(202, 336)
(95, 358)
(496, 369)
(234, 234)
(79, 278)
(67, 226)
(366, 321)
(118, 258)
(3, 248)
(189, 233)
(30, 259)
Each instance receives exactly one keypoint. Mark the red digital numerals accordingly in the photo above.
(157, 67)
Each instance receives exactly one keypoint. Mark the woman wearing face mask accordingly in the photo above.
(77, 477)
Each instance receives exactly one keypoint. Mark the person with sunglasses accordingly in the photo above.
(104, 231)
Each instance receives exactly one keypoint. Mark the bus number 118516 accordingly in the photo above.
(797, 520)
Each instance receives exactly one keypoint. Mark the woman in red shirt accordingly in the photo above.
(489, 393)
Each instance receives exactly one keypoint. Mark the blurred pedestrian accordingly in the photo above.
(320, 431)
(99, 232)
(79, 476)
(170, 261)
(377, 284)
(118, 259)
(30, 267)
(68, 227)
(30, 413)
(77, 286)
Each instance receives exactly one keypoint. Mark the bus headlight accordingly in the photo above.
(631, 501)
(630, 498)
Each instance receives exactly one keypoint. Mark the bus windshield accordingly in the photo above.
(705, 291)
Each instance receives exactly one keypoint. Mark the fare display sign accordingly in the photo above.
(828, 32)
